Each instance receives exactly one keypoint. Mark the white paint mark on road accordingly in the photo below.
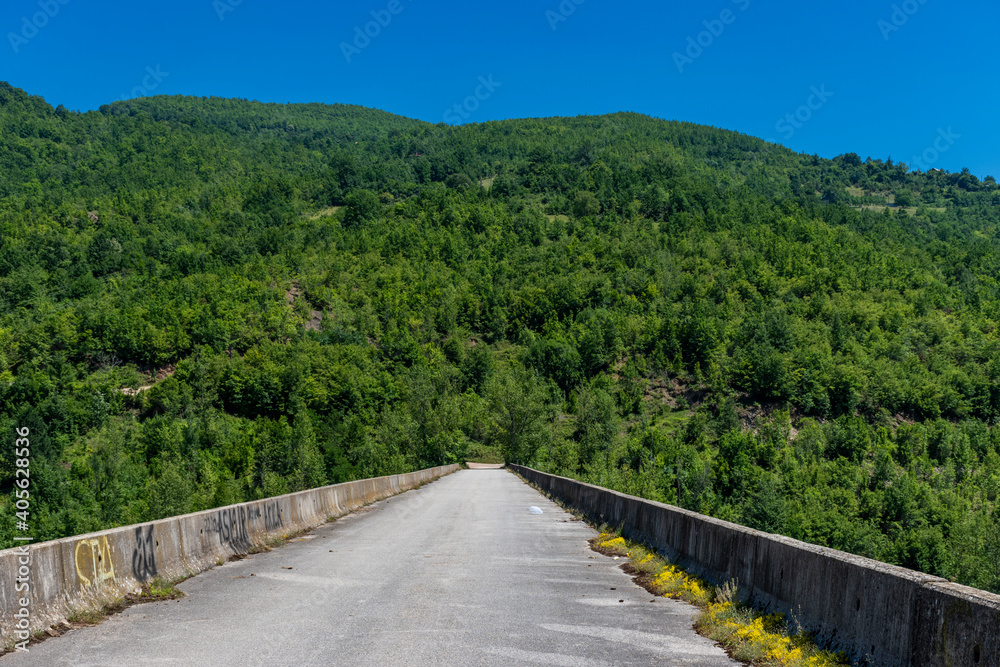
(659, 644)
(544, 658)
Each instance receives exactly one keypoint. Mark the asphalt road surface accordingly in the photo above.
(459, 572)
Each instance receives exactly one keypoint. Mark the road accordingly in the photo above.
(458, 572)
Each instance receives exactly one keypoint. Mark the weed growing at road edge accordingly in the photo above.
(157, 589)
(746, 634)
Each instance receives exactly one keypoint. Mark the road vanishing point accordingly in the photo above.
(458, 572)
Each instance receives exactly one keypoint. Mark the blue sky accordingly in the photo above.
(882, 78)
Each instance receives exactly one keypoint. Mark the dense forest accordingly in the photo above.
(204, 301)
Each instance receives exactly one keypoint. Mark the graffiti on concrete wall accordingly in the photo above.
(92, 558)
(230, 525)
(272, 516)
(144, 554)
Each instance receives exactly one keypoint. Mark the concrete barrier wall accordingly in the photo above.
(878, 613)
(87, 571)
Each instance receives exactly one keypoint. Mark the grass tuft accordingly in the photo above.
(157, 589)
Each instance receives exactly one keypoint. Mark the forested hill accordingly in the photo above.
(204, 301)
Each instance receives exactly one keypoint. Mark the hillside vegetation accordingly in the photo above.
(204, 301)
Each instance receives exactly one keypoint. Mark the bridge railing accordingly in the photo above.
(60, 577)
(879, 613)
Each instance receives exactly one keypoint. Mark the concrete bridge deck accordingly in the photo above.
(458, 572)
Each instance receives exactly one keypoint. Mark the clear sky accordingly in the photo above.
(901, 79)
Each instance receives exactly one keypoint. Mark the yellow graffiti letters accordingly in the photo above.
(93, 561)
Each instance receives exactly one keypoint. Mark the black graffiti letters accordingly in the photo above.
(230, 525)
(272, 517)
(144, 554)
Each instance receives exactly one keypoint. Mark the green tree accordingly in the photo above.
(585, 204)
(518, 403)
(309, 470)
(597, 423)
(170, 491)
(363, 206)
